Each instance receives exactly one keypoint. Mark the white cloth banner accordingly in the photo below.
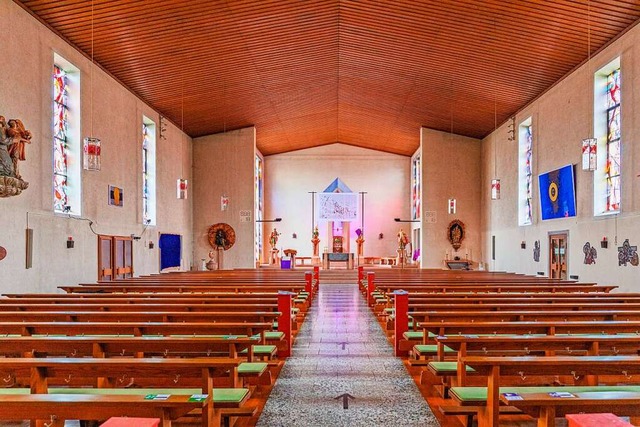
(338, 206)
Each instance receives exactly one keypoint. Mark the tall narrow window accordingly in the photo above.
(525, 173)
(612, 167)
(67, 195)
(60, 113)
(416, 193)
(607, 130)
(259, 207)
(148, 172)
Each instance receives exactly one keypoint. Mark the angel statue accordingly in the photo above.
(13, 137)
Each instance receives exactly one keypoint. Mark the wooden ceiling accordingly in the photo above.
(313, 72)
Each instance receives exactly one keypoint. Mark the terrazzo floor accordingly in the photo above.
(342, 349)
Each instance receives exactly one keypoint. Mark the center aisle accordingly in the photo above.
(342, 349)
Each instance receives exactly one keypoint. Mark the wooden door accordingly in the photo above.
(115, 257)
(558, 256)
(105, 258)
(122, 257)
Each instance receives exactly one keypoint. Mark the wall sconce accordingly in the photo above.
(70, 242)
(294, 235)
(604, 243)
(523, 245)
(91, 148)
(495, 189)
(589, 154)
(182, 187)
(452, 206)
(269, 220)
(380, 236)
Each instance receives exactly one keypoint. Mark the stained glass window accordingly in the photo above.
(146, 219)
(60, 147)
(416, 202)
(259, 206)
(528, 154)
(148, 171)
(612, 165)
(525, 172)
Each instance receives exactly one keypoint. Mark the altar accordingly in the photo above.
(329, 257)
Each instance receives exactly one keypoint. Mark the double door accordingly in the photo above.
(115, 257)
(558, 256)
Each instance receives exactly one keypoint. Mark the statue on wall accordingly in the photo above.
(13, 137)
(455, 233)
(536, 251)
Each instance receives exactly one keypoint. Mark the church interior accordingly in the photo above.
(320, 213)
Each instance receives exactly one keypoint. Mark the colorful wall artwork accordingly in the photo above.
(557, 193)
(590, 254)
(116, 196)
(627, 254)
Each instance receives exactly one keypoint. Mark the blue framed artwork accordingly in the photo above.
(557, 193)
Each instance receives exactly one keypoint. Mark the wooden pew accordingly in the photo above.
(132, 328)
(116, 287)
(138, 316)
(40, 373)
(502, 345)
(112, 346)
(547, 408)
(583, 367)
(54, 409)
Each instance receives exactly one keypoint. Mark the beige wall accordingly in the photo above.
(290, 177)
(561, 119)
(450, 169)
(26, 91)
(224, 165)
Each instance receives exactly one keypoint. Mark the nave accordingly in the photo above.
(342, 349)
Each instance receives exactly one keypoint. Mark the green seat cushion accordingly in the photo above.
(220, 395)
(416, 335)
(274, 335)
(447, 367)
(262, 350)
(299, 300)
(431, 348)
(479, 394)
(413, 335)
(249, 368)
(304, 293)
(389, 310)
(12, 391)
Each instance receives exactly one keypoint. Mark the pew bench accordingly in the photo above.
(584, 369)
(42, 373)
(56, 408)
(546, 407)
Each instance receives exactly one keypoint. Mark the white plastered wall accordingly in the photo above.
(26, 93)
(290, 177)
(561, 118)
